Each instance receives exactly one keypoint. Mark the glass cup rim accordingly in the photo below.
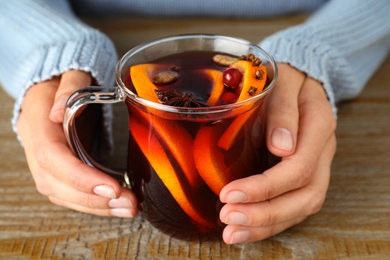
(127, 93)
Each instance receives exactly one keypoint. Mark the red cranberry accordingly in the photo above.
(228, 97)
(232, 78)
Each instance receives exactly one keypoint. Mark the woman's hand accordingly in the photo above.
(57, 173)
(300, 129)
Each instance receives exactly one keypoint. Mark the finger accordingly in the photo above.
(67, 193)
(316, 125)
(70, 82)
(294, 204)
(108, 212)
(120, 207)
(240, 234)
(66, 196)
(49, 149)
(55, 158)
(265, 219)
(282, 111)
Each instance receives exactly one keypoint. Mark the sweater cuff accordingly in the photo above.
(298, 47)
(92, 52)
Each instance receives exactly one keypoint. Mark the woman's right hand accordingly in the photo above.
(301, 131)
(57, 172)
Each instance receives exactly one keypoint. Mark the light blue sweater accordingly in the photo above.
(341, 45)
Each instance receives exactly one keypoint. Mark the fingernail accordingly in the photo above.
(236, 218)
(105, 191)
(122, 213)
(235, 197)
(120, 203)
(282, 139)
(240, 236)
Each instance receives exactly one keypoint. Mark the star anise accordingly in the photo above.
(174, 97)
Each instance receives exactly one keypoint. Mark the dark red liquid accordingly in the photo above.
(159, 171)
(193, 78)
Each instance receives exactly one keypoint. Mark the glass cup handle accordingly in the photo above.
(80, 98)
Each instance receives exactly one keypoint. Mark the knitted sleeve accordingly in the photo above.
(42, 38)
(341, 45)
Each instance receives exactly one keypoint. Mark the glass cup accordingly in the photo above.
(179, 158)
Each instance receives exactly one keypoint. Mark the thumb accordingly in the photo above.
(282, 111)
(70, 82)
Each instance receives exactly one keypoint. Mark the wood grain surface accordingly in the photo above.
(353, 224)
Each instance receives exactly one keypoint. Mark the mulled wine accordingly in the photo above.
(209, 133)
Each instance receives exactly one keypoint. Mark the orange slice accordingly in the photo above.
(169, 132)
(178, 142)
(216, 166)
(154, 151)
(249, 80)
(217, 83)
(209, 159)
(140, 75)
(230, 135)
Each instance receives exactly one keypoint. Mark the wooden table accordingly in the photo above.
(354, 222)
